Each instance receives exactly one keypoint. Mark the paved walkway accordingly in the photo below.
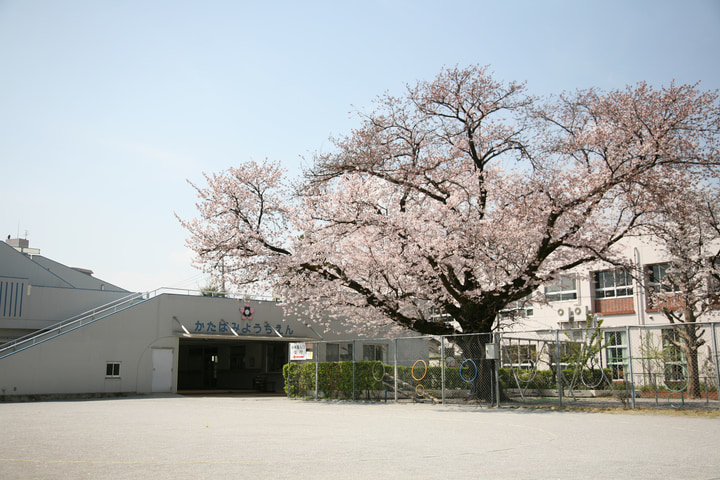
(175, 437)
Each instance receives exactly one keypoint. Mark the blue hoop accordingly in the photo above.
(476, 371)
(470, 387)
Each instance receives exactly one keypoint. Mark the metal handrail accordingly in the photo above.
(96, 313)
(219, 294)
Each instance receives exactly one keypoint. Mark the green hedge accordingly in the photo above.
(336, 379)
(547, 379)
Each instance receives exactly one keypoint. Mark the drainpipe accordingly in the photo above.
(630, 360)
(641, 287)
(641, 307)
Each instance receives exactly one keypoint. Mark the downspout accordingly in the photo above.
(641, 287)
(640, 296)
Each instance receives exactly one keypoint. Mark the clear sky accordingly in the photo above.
(108, 106)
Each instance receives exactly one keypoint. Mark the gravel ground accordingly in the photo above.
(178, 437)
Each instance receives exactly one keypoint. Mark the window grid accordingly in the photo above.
(564, 288)
(616, 351)
(657, 278)
(112, 369)
(613, 284)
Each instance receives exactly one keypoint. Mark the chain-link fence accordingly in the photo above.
(671, 366)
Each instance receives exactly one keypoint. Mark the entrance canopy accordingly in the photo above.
(230, 319)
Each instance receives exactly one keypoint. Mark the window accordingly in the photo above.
(339, 352)
(519, 355)
(616, 350)
(519, 308)
(511, 312)
(673, 357)
(112, 369)
(375, 352)
(658, 280)
(613, 283)
(564, 288)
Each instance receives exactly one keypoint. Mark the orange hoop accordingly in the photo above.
(412, 372)
(333, 378)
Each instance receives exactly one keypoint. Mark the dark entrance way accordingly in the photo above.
(238, 366)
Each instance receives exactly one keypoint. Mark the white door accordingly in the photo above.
(162, 361)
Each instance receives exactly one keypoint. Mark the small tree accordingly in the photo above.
(688, 289)
(211, 291)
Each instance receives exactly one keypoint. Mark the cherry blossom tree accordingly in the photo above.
(242, 228)
(455, 199)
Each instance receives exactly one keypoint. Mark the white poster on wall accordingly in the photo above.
(298, 351)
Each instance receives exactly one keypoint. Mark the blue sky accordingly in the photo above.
(108, 106)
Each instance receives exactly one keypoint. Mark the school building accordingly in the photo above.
(65, 332)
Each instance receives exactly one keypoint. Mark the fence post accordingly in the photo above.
(558, 367)
(442, 367)
(353, 367)
(395, 368)
(717, 362)
(497, 341)
(630, 360)
(316, 350)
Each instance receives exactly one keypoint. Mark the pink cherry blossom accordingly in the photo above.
(456, 199)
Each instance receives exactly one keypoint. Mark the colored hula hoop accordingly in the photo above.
(412, 372)
(675, 405)
(420, 391)
(468, 380)
(330, 376)
(470, 387)
(382, 370)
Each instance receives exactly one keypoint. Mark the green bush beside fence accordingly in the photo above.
(336, 379)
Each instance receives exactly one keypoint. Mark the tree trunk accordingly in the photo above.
(691, 345)
(477, 371)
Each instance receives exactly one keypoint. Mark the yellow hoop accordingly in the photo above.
(420, 391)
(412, 372)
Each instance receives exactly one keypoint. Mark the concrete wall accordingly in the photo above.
(75, 362)
(44, 306)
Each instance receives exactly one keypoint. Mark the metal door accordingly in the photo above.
(162, 361)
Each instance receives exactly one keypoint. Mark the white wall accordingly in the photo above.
(76, 361)
(637, 250)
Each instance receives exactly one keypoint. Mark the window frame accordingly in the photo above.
(563, 289)
(672, 354)
(376, 348)
(655, 278)
(344, 352)
(616, 353)
(602, 287)
(112, 369)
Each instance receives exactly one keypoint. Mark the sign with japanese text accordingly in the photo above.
(298, 351)
(242, 328)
